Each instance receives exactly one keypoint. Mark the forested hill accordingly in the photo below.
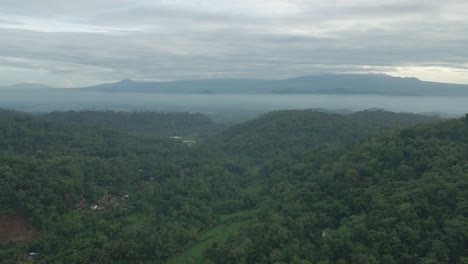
(155, 124)
(398, 198)
(24, 134)
(280, 132)
(151, 197)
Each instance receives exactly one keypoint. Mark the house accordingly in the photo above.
(110, 201)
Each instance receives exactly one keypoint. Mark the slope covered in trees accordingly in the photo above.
(142, 123)
(294, 131)
(397, 198)
(52, 173)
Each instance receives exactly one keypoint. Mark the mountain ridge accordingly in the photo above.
(344, 84)
(314, 84)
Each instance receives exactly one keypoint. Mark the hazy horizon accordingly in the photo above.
(228, 106)
(225, 78)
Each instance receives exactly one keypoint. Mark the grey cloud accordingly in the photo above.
(160, 42)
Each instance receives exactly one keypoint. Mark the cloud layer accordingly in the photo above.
(75, 43)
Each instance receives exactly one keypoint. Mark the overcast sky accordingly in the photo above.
(84, 42)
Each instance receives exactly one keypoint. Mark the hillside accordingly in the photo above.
(399, 198)
(294, 131)
(153, 196)
(141, 123)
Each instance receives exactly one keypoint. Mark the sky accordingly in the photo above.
(86, 42)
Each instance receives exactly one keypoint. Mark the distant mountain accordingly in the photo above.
(321, 84)
(341, 84)
(237, 86)
(25, 86)
(368, 84)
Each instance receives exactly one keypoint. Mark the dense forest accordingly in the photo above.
(287, 187)
(296, 131)
(397, 198)
(153, 124)
(53, 172)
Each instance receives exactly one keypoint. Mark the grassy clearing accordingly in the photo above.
(194, 254)
(230, 224)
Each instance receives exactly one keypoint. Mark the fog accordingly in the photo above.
(225, 107)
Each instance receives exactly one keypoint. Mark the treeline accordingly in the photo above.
(295, 131)
(155, 124)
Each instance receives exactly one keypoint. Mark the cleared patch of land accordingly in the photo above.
(14, 228)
